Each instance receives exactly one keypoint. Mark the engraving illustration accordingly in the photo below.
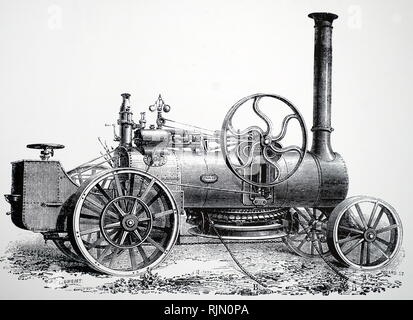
(251, 208)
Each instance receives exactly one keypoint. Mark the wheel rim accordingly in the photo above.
(310, 240)
(125, 222)
(67, 249)
(366, 233)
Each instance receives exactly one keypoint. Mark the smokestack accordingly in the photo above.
(322, 85)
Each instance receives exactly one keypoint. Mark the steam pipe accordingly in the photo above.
(125, 121)
(322, 85)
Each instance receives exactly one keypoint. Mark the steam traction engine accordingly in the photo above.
(120, 212)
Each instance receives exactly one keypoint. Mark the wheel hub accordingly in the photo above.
(370, 235)
(130, 222)
(126, 222)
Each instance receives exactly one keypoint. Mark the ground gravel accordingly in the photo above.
(201, 269)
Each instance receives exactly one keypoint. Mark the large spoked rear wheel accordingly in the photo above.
(125, 222)
(78, 175)
(364, 233)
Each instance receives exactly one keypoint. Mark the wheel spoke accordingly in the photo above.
(136, 233)
(103, 192)
(302, 243)
(378, 218)
(354, 246)
(156, 197)
(347, 239)
(162, 214)
(118, 185)
(132, 257)
(320, 246)
(383, 241)
(311, 214)
(104, 253)
(155, 244)
(88, 202)
(123, 238)
(388, 228)
(373, 213)
(159, 228)
(351, 229)
(147, 190)
(96, 243)
(83, 233)
(112, 225)
(300, 233)
(302, 215)
(368, 253)
(353, 217)
(363, 245)
(134, 207)
(143, 255)
(363, 220)
(113, 257)
(380, 249)
(118, 208)
(131, 184)
(89, 216)
(312, 243)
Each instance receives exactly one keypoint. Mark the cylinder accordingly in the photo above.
(322, 85)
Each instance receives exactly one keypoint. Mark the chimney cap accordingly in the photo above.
(323, 16)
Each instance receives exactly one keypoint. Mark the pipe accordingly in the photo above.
(322, 85)
(125, 121)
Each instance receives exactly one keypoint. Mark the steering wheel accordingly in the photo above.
(244, 149)
(47, 149)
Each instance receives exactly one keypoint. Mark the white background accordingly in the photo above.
(63, 65)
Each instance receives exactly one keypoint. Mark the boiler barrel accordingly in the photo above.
(316, 183)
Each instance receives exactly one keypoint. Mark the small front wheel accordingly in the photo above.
(364, 233)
